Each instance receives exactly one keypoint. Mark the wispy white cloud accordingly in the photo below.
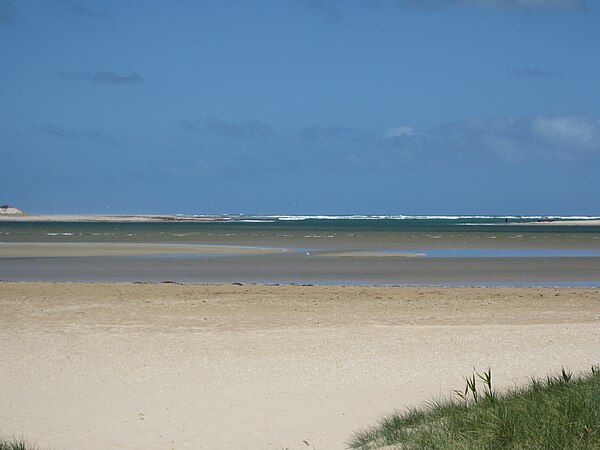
(398, 131)
(572, 131)
(509, 139)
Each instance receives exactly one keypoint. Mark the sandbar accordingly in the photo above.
(155, 366)
(137, 218)
(68, 249)
(367, 254)
(581, 223)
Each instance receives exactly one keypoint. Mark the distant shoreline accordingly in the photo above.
(583, 222)
(137, 218)
(153, 218)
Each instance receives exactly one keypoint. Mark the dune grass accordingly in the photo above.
(15, 444)
(560, 412)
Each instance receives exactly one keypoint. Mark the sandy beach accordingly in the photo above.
(583, 222)
(136, 218)
(155, 366)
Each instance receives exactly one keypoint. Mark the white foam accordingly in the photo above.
(290, 217)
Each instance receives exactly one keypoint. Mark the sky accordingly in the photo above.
(300, 106)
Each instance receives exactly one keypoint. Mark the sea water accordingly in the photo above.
(471, 250)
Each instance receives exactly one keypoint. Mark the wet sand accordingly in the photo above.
(83, 249)
(367, 254)
(88, 366)
(300, 268)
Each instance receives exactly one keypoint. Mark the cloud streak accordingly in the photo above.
(91, 134)
(106, 77)
(239, 130)
(506, 139)
(509, 141)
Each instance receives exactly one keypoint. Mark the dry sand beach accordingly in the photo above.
(155, 366)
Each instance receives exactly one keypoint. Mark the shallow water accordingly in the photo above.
(487, 253)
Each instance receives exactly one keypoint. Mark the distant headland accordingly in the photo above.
(10, 210)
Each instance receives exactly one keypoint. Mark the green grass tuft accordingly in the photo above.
(15, 444)
(562, 412)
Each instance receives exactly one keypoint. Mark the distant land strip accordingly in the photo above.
(107, 218)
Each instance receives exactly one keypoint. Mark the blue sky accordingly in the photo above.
(300, 106)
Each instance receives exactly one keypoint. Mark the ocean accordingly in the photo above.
(443, 250)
